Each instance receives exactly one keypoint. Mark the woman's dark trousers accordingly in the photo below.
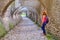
(43, 28)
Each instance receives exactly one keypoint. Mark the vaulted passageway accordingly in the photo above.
(12, 10)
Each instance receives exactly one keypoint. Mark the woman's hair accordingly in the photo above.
(44, 13)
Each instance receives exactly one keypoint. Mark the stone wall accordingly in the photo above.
(54, 15)
(10, 18)
(53, 10)
(7, 17)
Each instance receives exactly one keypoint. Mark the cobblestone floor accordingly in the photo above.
(25, 30)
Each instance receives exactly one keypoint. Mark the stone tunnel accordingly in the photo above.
(11, 10)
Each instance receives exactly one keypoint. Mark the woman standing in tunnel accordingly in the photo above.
(44, 21)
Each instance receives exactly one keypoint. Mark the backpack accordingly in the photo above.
(47, 20)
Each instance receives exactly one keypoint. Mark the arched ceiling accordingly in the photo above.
(4, 4)
(31, 3)
(34, 4)
(27, 3)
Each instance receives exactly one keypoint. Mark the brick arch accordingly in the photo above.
(6, 6)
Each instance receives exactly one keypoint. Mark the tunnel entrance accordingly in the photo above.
(23, 14)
